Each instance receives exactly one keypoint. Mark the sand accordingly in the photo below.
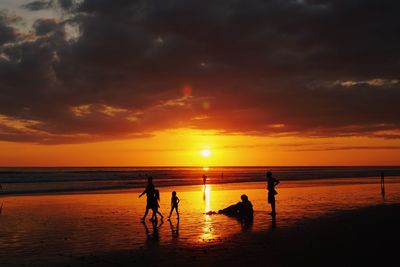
(365, 237)
(316, 225)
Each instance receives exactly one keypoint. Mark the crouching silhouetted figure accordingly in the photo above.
(243, 211)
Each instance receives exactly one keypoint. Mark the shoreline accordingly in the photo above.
(345, 238)
(104, 229)
(287, 183)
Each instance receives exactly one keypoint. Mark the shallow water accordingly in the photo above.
(23, 180)
(46, 227)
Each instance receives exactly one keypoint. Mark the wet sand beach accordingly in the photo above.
(317, 221)
(364, 237)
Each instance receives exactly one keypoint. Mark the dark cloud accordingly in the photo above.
(45, 26)
(38, 5)
(7, 33)
(115, 69)
(48, 4)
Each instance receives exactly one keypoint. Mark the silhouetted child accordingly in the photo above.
(174, 204)
(271, 183)
(156, 205)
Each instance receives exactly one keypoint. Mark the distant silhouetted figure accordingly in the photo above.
(174, 204)
(155, 205)
(383, 185)
(242, 210)
(1, 188)
(150, 195)
(271, 183)
(204, 179)
(1, 208)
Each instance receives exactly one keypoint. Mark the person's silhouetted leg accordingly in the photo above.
(273, 209)
(159, 213)
(145, 214)
(169, 216)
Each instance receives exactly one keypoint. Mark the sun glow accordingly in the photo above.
(206, 153)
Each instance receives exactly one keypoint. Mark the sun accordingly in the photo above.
(206, 153)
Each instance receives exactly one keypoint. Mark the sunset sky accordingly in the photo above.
(154, 83)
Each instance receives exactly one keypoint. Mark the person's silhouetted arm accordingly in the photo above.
(177, 200)
(144, 192)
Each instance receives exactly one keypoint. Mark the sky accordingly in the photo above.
(154, 83)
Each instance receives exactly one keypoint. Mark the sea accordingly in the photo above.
(23, 180)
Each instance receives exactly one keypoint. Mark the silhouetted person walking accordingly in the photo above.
(155, 205)
(174, 204)
(150, 195)
(271, 183)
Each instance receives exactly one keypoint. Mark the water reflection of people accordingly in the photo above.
(242, 210)
(174, 229)
(154, 236)
(273, 222)
(383, 185)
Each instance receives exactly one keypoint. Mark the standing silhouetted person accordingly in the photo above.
(271, 183)
(150, 195)
(204, 179)
(174, 204)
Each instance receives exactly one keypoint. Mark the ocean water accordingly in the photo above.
(17, 180)
(47, 228)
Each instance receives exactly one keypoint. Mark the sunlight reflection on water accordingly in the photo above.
(63, 225)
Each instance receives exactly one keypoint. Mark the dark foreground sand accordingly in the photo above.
(365, 237)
